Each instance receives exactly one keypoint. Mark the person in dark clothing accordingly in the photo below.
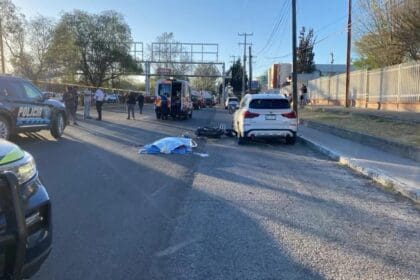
(70, 100)
(164, 107)
(131, 103)
(140, 100)
(303, 92)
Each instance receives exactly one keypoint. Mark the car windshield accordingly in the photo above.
(269, 104)
(211, 139)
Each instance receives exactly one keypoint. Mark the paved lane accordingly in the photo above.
(261, 211)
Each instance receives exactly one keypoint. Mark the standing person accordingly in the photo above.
(303, 91)
(99, 98)
(140, 100)
(70, 100)
(131, 103)
(164, 107)
(87, 100)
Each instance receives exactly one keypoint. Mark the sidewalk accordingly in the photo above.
(410, 117)
(391, 171)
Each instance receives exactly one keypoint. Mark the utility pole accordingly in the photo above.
(348, 55)
(294, 64)
(250, 68)
(3, 63)
(244, 65)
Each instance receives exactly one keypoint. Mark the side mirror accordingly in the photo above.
(14, 238)
(46, 95)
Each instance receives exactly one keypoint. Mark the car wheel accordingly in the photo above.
(4, 128)
(57, 127)
(291, 140)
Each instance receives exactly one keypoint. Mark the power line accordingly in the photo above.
(283, 30)
(315, 43)
(276, 26)
(317, 30)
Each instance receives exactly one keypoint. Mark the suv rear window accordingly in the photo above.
(233, 99)
(269, 104)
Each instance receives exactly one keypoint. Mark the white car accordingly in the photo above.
(265, 116)
(230, 100)
(111, 98)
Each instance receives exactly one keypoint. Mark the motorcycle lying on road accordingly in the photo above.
(232, 107)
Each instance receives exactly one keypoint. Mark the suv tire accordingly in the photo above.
(291, 140)
(4, 128)
(57, 127)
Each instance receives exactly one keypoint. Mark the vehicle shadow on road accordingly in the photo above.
(114, 217)
(318, 196)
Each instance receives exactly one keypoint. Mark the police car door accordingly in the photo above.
(32, 112)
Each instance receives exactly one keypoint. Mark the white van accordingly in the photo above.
(173, 98)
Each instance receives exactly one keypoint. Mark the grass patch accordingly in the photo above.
(396, 131)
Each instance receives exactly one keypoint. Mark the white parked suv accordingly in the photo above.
(265, 116)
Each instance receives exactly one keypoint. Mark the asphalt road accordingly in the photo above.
(259, 211)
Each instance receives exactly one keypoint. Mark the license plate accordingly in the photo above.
(270, 117)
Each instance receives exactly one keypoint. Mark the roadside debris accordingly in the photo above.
(170, 145)
(201, 154)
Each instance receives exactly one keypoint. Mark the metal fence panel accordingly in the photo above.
(395, 84)
(410, 83)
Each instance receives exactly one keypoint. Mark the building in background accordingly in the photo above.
(273, 76)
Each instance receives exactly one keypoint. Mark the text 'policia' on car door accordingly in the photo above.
(31, 111)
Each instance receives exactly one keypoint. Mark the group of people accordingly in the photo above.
(131, 104)
(70, 99)
(303, 97)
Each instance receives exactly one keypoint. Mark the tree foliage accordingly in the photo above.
(31, 59)
(12, 26)
(236, 72)
(388, 34)
(205, 83)
(305, 52)
(101, 41)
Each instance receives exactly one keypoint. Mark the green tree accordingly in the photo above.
(236, 71)
(205, 83)
(63, 54)
(305, 52)
(102, 42)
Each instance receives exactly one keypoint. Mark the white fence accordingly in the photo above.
(396, 85)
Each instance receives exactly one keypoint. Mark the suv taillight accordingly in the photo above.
(250, 115)
(291, 115)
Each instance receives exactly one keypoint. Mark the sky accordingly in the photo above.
(220, 21)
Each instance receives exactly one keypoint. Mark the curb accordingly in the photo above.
(374, 174)
(403, 150)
